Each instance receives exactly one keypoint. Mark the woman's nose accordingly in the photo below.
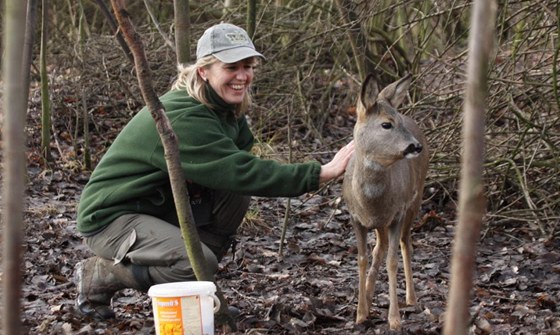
(243, 74)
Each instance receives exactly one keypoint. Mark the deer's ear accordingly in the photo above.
(368, 96)
(396, 92)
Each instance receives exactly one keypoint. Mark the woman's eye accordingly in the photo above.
(386, 125)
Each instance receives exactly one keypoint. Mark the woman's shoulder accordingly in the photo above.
(178, 96)
(181, 107)
(181, 101)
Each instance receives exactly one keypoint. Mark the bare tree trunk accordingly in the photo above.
(472, 200)
(288, 210)
(45, 98)
(182, 31)
(556, 58)
(251, 17)
(84, 112)
(13, 139)
(30, 26)
(171, 150)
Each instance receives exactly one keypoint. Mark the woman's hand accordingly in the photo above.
(337, 165)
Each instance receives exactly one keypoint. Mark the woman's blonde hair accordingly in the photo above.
(189, 79)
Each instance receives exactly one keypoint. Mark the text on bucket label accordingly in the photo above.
(179, 315)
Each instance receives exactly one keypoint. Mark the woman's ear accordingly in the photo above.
(202, 73)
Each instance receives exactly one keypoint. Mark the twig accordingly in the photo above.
(167, 40)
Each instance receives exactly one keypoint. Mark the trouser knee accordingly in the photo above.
(182, 270)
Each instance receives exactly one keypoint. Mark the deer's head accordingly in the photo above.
(380, 133)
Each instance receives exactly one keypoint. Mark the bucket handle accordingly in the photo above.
(217, 303)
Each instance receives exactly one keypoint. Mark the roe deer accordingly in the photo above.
(383, 188)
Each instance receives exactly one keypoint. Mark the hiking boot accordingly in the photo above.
(234, 312)
(98, 279)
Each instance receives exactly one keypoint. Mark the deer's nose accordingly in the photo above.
(413, 149)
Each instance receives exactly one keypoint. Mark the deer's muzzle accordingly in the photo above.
(413, 149)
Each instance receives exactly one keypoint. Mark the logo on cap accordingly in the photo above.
(237, 38)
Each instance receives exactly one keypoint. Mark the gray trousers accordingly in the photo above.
(158, 244)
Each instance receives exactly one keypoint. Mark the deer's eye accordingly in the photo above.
(387, 125)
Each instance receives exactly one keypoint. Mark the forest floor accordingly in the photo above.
(312, 289)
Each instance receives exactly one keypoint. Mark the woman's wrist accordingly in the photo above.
(330, 171)
(324, 175)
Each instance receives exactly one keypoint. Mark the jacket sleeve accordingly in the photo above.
(211, 158)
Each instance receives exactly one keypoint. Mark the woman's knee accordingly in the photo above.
(182, 270)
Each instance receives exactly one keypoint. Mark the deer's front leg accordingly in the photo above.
(406, 250)
(378, 255)
(392, 264)
(361, 239)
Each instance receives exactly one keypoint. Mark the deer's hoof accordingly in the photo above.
(394, 324)
(361, 318)
(411, 299)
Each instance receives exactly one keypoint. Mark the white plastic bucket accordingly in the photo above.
(184, 308)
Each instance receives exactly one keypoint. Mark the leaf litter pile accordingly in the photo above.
(312, 288)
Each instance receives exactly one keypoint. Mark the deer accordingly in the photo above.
(383, 188)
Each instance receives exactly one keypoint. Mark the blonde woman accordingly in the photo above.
(126, 212)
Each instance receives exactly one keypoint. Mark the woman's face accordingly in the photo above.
(230, 80)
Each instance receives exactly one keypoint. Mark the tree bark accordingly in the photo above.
(84, 111)
(45, 97)
(14, 163)
(251, 17)
(182, 31)
(31, 24)
(471, 196)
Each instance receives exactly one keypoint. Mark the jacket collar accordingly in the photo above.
(217, 103)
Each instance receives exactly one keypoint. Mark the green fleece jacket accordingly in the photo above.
(214, 149)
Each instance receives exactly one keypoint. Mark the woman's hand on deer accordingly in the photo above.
(337, 165)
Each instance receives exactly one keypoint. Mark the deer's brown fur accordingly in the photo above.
(383, 188)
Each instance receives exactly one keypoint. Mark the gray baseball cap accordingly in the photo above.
(226, 42)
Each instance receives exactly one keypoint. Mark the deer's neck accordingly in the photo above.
(370, 177)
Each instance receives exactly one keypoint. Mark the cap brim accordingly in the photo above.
(237, 54)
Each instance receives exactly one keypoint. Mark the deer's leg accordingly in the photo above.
(378, 254)
(406, 250)
(392, 264)
(361, 238)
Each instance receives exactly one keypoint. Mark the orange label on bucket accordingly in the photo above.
(179, 315)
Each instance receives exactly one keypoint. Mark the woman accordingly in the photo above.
(126, 212)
